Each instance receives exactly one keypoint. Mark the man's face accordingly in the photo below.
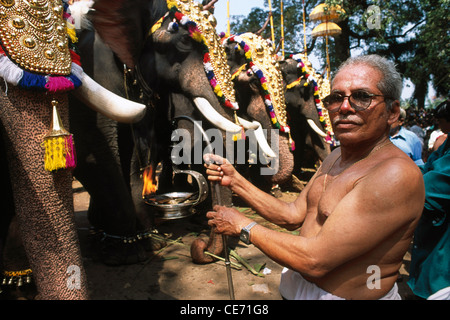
(351, 126)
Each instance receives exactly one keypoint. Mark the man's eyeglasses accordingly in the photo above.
(359, 100)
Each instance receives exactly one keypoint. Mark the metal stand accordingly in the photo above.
(216, 188)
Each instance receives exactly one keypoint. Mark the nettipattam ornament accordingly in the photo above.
(37, 45)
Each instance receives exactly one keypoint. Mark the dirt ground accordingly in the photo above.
(171, 274)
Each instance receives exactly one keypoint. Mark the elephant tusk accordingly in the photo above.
(316, 129)
(259, 135)
(108, 103)
(262, 142)
(249, 125)
(215, 117)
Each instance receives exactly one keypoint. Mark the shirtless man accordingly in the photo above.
(358, 212)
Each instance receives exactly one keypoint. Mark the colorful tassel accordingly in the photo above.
(59, 146)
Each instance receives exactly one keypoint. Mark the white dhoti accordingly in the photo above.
(294, 287)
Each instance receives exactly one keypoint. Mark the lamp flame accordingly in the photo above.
(150, 184)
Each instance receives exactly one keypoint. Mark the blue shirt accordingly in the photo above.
(409, 143)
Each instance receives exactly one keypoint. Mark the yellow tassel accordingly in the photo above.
(58, 144)
(55, 157)
(71, 32)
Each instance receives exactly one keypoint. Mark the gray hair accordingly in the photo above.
(390, 85)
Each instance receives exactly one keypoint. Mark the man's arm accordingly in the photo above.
(377, 208)
(287, 215)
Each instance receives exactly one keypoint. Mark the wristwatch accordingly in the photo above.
(245, 233)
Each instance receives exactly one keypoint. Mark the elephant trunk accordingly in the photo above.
(199, 246)
(197, 85)
(285, 159)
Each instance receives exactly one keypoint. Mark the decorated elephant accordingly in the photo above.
(173, 54)
(260, 92)
(309, 121)
(294, 110)
(39, 67)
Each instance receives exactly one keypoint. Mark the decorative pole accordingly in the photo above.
(228, 18)
(271, 25)
(304, 31)
(282, 28)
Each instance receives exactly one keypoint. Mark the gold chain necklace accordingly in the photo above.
(370, 153)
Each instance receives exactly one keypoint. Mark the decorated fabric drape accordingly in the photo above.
(38, 53)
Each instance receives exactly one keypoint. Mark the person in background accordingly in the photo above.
(430, 256)
(406, 140)
(209, 5)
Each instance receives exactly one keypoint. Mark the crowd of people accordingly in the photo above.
(425, 125)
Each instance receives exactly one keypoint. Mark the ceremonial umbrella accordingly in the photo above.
(328, 28)
(326, 13)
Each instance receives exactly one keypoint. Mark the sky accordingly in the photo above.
(243, 7)
(237, 7)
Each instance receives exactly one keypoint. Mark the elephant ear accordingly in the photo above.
(120, 23)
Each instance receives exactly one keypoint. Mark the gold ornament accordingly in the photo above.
(264, 57)
(33, 33)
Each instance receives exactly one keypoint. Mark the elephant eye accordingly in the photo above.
(184, 43)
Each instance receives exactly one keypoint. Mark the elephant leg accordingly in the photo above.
(14, 266)
(43, 200)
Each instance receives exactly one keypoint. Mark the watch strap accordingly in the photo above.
(245, 233)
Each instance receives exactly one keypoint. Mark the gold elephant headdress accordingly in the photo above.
(321, 88)
(201, 25)
(36, 39)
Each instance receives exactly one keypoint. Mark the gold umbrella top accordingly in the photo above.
(326, 13)
(326, 29)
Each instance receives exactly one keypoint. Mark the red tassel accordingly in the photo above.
(71, 157)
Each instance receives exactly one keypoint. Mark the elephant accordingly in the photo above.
(252, 64)
(301, 101)
(34, 98)
(310, 125)
(307, 120)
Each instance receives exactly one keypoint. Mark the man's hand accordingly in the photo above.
(219, 170)
(227, 221)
